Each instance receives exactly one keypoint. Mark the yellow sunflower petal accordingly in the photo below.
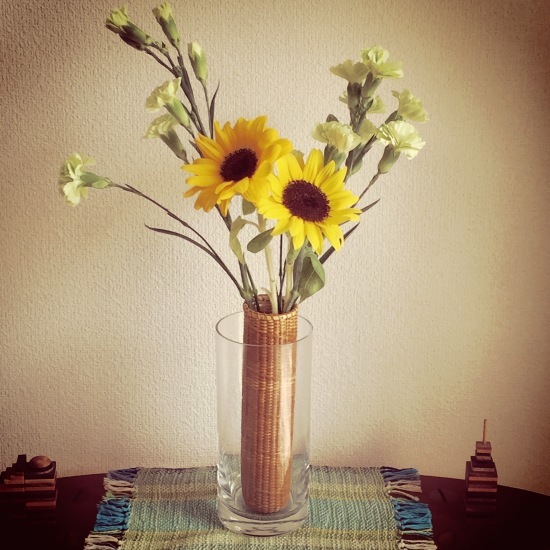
(204, 169)
(225, 137)
(298, 241)
(224, 207)
(281, 227)
(283, 172)
(294, 169)
(209, 148)
(344, 215)
(342, 200)
(334, 235)
(258, 124)
(333, 183)
(274, 211)
(206, 200)
(296, 228)
(276, 188)
(192, 191)
(315, 236)
(222, 186)
(326, 172)
(263, 170)
(313, 166)
(203, 181)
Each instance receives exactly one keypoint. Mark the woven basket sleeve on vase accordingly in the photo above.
(269, 378)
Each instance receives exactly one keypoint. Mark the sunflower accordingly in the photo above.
(309, 201)
(238, 161)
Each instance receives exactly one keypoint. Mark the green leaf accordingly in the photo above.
(312, 278)
(234, 242)
(248, 208)
(369, 206)
(259, 242)
(212, 109)
(356, 167)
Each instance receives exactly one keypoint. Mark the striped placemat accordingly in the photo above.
(175, 509)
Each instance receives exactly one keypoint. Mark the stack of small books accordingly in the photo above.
(28, 490)
(481, 480)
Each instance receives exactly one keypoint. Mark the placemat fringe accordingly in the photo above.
(102, 542)
(413, 518)
(418, 545)
(113, 513)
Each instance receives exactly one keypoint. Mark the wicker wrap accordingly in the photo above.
(269, 378)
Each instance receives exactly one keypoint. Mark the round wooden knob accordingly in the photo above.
(40, 463)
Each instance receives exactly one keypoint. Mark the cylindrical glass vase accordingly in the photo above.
(263, 378)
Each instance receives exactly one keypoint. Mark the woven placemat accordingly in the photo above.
(175, 509)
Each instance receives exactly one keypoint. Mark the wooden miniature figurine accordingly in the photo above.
(481, 480)
(28, 490)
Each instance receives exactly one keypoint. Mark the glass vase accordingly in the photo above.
(263, 378)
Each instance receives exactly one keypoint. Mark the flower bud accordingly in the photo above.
(119, 23)
(197, 57)
(165, 96)
(370, 86)
(117, 20)
(338, 157)
(163, 127)
(179, 112)
(165, 19)
(389, 158)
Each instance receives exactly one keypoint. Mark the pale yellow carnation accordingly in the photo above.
(376, 61)
(350, 71)
(338, 135)
(161, 126)
(402, 137)
(367, 130)
(74, 178)
(410, 107)
(163, 95)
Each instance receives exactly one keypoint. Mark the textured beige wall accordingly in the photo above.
(436, 313)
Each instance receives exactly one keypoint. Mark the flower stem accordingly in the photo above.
(282, 273)
(164, 52)
(159, 60)
(371, 183)
(188, 90)
(270, 271)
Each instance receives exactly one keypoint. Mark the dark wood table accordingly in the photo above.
(520, 522)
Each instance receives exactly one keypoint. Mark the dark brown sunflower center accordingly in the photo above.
(306, 201)
(239, 164)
